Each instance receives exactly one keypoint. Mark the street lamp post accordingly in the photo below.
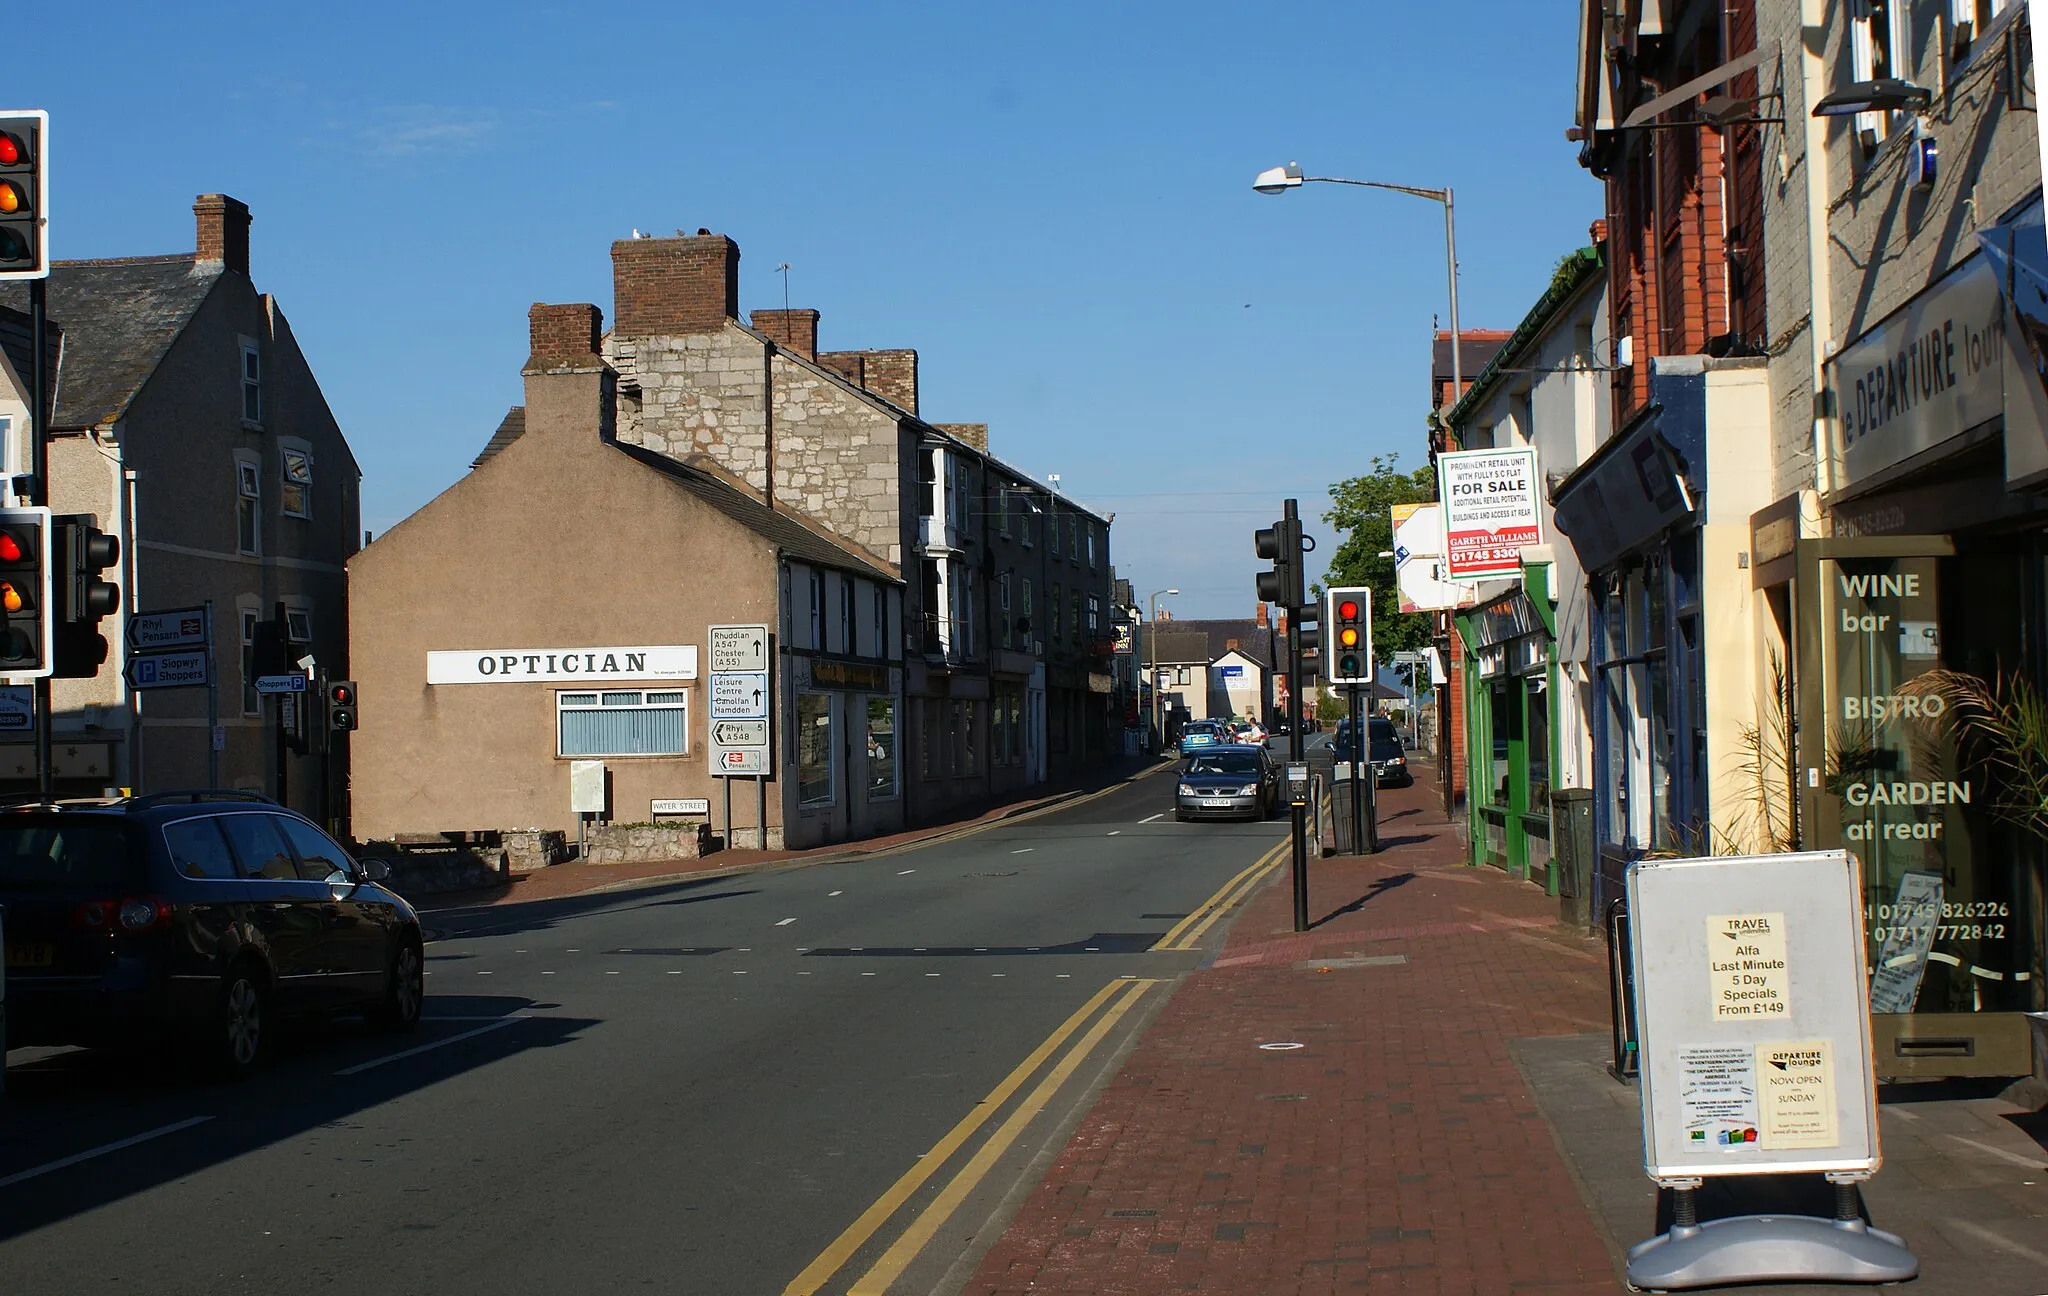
(1279, 179)
(1152, 641)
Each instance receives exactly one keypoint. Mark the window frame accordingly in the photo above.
(249, 505)
(817, 643)
(895, 754)
(650, 699)
(831, 749)
(251, 381)
(286, 452)
(252, 701)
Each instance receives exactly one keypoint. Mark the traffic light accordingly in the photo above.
(24, 190)
(1347, 631)
(341, 706)
(24, 591)
(1281, 542)
(271, 646)
(81, 551)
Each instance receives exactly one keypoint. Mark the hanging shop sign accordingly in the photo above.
(562, 665)
(1491, 510)
(1930, 371)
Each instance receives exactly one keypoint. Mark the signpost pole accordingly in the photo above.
(1361, 765)
(212, 705)
(761, 812)
(1296, 751)
(727, 785)
(39, 467)
(283, 750)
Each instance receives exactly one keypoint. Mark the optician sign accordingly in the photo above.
(1491, 511)
(562, 665)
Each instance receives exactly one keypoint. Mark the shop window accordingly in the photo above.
(622, 722)
(1016, 706)
(1505, 725)
(881, 748)
(814, 749)
(1538, 744)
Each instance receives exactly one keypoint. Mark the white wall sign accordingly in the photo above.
(562, 665)
(682, 806)
(1930, 371)
(1491, 510)
(1754, 1026)
(586, 787)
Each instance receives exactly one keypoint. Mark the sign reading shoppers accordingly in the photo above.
(1491, 511)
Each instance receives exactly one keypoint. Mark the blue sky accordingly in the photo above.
(1050, 202)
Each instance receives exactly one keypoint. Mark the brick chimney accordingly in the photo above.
(793, 330)
(1261, 617)
(892, 375)
(662, 287)
(223, 231)
(564, 337)
(1597, 231)
(974, 434)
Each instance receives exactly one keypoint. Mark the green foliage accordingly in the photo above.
(2004, 724)
(1329, 707)
(1360, 509)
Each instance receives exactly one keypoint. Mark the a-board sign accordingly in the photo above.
(681, 806)
(1753, 1016)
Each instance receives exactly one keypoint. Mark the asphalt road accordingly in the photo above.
(707, 1087)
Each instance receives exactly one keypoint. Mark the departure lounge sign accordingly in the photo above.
(1491, 511)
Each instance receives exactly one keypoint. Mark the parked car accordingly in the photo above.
(1197, 734)
(194, 918)
(1389, 759)
(1229, 782)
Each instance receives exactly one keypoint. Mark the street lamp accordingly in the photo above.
(1279, 179)
(1152, 641)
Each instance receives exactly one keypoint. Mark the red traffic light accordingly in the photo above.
(342, 694)
(11, 151)
(10, 548)
(1348, 610)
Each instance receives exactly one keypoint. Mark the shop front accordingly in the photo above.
(1512, 660)
(1922, 623)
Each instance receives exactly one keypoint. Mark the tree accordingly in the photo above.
(1361, 510)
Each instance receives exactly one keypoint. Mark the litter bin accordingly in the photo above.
(1571, 854)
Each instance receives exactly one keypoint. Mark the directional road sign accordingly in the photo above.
(162, 631)
(739, 647)
(280, 684)
(740, 733)
(741, 760)
(167, 670)
(739, 695)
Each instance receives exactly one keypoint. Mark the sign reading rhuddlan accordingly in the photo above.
(1491, 511)
(558, 665)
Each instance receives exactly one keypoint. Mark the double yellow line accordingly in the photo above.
(1189, 931)
(1106, 1007)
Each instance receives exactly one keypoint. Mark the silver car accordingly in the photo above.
(1227, 782)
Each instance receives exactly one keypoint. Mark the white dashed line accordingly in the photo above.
(739, 971)
(1160, 815)
(785, 922)
(867, 974)
(999, 974)
(1064, 976)
(675, 971)
(1116, 832)
(834, 893)
(905, 872)
(931, 974)
(611, 972)
(1025, 851)
(105, 1148)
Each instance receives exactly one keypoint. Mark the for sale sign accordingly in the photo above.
(1491, 511)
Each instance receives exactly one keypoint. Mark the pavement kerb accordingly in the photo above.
(1045, 805)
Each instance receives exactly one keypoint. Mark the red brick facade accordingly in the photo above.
(563, 335)
(670, 286)
(795, 331)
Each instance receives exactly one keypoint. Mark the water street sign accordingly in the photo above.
(740, 733)
(168, 670)
(17, 708)
(161, 631)
(267, 684)
(739, 647)
(739, 695)
(682, 806)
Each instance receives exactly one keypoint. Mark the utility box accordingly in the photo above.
(1572, 853)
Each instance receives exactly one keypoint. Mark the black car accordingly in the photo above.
(194, 918)
(1389, 758)
(1232, 781)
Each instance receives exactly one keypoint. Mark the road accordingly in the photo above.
(750, 1084)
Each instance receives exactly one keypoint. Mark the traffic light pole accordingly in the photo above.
(39, 470)
(1296, 748)
(1361, 765)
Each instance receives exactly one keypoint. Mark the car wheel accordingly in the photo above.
(241, 1022)
(405, 993)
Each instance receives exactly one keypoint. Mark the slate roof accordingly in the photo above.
(699, 476)
(510, 429)
(1182, 642)
(1476, 348)
(17, 339)
(119, 318)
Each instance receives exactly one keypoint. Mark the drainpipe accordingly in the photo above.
(1813, 35)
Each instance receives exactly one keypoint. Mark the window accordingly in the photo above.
(846, 639)
(198, 850)
(881, 748)
(963, 632)
(928, 483)
(814, 749)
(1052, 531)
(1074, 616)
(1024, 522)
(1052, 611)
(817, 609)
(625, 722)
(252, 703)
(1003, 609)
(970, 763)
(295, 494)
(1003, 498)
(249, 504)
(1094, 615)
(1091, 548)
(1874, 48)
(252, 383)
(1026, 627)
(1074, 537)
(320, 860)
(881, 621)
(259, 849)
(1181, 676)
(1973, 22)
(298, 625)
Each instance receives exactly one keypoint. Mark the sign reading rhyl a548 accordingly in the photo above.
(738, 647)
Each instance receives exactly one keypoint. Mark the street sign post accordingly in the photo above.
(185, 669)
(739, 695)
(739, 647)
(739, 733)
(164, 631)
(268, 684)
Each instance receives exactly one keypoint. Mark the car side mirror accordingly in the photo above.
(376, 871)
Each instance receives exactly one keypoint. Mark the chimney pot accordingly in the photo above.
(223, 231)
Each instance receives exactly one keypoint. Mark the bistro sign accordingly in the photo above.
(558, 665)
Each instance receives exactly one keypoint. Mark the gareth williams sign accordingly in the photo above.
(562, 665)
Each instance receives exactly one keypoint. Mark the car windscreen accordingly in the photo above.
(1243, 764)
(1382, 729)
(44, 852)
(1384, 749)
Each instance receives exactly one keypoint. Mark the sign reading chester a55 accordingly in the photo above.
(1491, 512)
(562, 665)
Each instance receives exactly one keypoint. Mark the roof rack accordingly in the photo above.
(192, 797)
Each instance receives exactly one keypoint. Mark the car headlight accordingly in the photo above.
(1249, 789)
(1186, 790)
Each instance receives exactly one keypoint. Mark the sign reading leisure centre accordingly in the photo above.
(1490, 510)
(562, 665)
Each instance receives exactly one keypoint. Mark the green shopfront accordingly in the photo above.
(1511, 661)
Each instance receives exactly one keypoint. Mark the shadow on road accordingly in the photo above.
(63, 1111)
(1377, 889)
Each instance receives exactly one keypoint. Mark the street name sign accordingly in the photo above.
(163, 631)
(167, 670)
(739, 647)
(268, 684)
(682, 806)
(739, 733)
(739, 695)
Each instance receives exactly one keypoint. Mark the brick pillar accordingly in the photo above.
(223, 231)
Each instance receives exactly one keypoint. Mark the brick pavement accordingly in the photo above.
(1399, 1150)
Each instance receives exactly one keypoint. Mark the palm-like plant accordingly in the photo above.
(2004, 725)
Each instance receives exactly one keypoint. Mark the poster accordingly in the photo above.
(1717, 1096)
(1747, 976)
(1904, 933)
(1797, 1095)
(1491, 510)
